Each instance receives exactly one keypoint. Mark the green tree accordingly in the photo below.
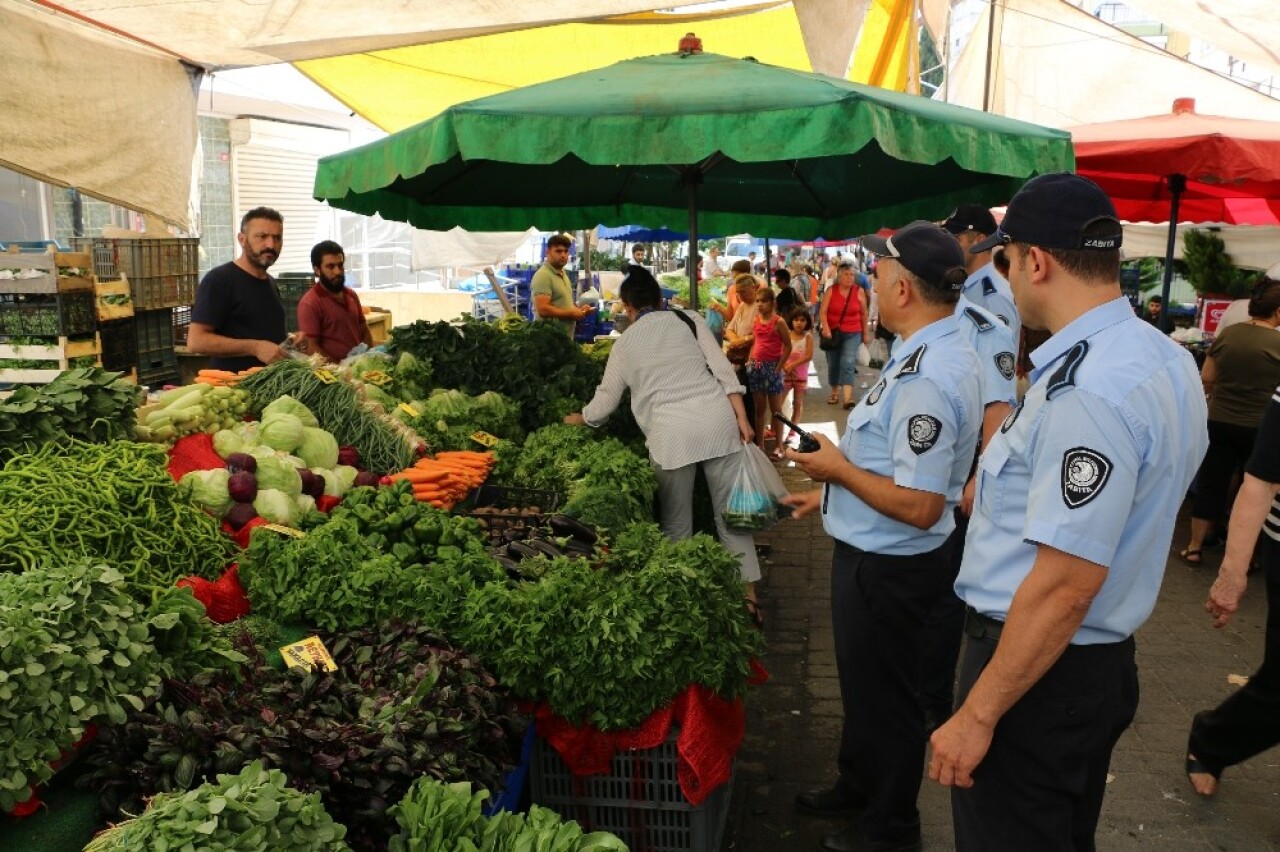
(1209, 267)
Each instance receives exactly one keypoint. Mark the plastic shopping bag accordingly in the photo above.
(864, 355)
(757, 488)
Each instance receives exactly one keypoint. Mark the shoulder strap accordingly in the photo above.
(693, 329)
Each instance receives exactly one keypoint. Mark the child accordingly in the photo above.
(770, 348)
(795, 372)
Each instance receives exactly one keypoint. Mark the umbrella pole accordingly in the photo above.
(1177, 183)
(694, 178)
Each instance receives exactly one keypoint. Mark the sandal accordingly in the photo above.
(1190, 556)
(833, 399)
(1195, 766)
(753, 610)
(849, 403)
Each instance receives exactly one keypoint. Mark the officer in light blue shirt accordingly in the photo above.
(985, 286)
(1074, 513)
(994, 344)
(890, 488)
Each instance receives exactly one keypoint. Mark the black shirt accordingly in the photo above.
(236, 304)
(1265, 461)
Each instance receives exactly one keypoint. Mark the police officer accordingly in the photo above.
(985, 286)
(1071, 525)
(993, 341)
(891, 486)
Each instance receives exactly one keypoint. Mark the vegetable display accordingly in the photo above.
(89, 403)
(447, 419)
(190, 409)
(402, 704)
(110, 502)
(443, 481)
(75, 648)
(384, 444)
(251, 811)
(436, 816)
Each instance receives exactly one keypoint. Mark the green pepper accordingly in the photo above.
(426, 532)
(405, 554)
(376, 541)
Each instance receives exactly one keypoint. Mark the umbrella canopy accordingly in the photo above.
(640, 234)
(736, 145)
(1185, 167)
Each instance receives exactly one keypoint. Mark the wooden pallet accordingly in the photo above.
(48, 281)
(61, 352)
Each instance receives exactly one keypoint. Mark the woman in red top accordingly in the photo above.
(844, 304)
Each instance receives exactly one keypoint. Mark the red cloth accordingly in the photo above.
(224, 599)
(711, 730)
(193, 452)
(31, 805)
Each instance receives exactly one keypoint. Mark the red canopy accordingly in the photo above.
(1231, 166)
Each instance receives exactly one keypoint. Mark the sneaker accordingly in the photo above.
(832, 802)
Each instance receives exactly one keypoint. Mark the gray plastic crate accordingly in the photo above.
(639, 800)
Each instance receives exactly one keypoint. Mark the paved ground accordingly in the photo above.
(793, 720)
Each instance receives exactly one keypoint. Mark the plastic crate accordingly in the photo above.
(513, 497)
(513, 782)
(292, 287)
(119, 344)
(639, 800)
(181, 324)
(157, 362)
(162, 272)
(48, 314)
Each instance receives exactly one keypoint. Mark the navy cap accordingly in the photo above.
(922, 247)
(970, 217)
(1059, 211)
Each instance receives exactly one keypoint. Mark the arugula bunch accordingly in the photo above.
(403, 703)
(610, 646)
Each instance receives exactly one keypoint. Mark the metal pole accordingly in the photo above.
(694, 177)
(1177, 183)
(991, 35)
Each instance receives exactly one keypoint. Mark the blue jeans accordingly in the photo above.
(842, 363)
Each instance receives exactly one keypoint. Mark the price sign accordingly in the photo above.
(484, 439)
(281, 528)
(326, 376)
(310, 653)
(408, 409)
(377, 378)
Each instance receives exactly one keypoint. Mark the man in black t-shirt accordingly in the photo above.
(238, 318)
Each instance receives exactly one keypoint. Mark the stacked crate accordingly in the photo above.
(162, 275)
(46, 315)
(292, 287)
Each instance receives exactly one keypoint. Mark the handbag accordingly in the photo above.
(738, 352)
(832, 343)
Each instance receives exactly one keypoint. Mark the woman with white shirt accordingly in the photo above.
(688, 402)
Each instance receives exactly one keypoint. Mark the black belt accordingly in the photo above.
(979, 626)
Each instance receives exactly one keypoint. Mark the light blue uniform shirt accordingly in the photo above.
(997, 350)
(989, 289)
(919, 425)
(1094, 462)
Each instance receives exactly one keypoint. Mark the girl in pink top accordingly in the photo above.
(795, 371)
(770, 347)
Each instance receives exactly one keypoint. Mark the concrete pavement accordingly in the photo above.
(793, 721)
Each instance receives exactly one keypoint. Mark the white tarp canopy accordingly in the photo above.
(1248, 30)
(1057, 65)
(1250, 246)
(459, 248)
(87, 109)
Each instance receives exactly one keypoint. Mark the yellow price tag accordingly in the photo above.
(484, 439)
(310, 653)
(281, 528)
(377, 378)
(326, 376)
(408, 409)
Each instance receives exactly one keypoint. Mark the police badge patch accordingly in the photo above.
(922, 432)
(1011, 418)
(874, 396)
(1004, 363)
(1084, 474)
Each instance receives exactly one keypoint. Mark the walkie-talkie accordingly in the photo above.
(808, 443)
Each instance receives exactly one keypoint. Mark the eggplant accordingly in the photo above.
(576, 548)
(512, 569)
(518, 550)
(546, 548)
(565, 525)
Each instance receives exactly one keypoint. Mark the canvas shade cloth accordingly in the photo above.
(644, 139)
(1250, 246)
(1248, 30)
(1150, 162)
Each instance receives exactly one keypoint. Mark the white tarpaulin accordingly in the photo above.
(86, 109)
(1250, 246)
(1058, 65)
(459, 248)
(1247, 30)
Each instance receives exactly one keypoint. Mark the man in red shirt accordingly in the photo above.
(329, 315)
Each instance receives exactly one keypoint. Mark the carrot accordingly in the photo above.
(418, 476)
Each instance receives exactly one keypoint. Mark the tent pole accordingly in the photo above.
(1177, 183)
(694, 177)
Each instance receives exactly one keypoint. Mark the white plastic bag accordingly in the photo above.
(757, 488)
(864, 355)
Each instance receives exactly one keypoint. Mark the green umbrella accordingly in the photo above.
(733, 144)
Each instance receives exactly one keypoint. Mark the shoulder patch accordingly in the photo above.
(1065, 375)
(876, 392)
(978, 319)
(1004, 363)
(1084, 474)
(1011, 417)
(988, 286)
(922, 432)
(1004, 319)
(912, 365)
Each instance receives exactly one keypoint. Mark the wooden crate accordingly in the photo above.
(48, 281)
(61, 352)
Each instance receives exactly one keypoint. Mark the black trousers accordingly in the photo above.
(1229, 448)
(878, 604)
(1248, 721)
(1041, 783)
(941, 637)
